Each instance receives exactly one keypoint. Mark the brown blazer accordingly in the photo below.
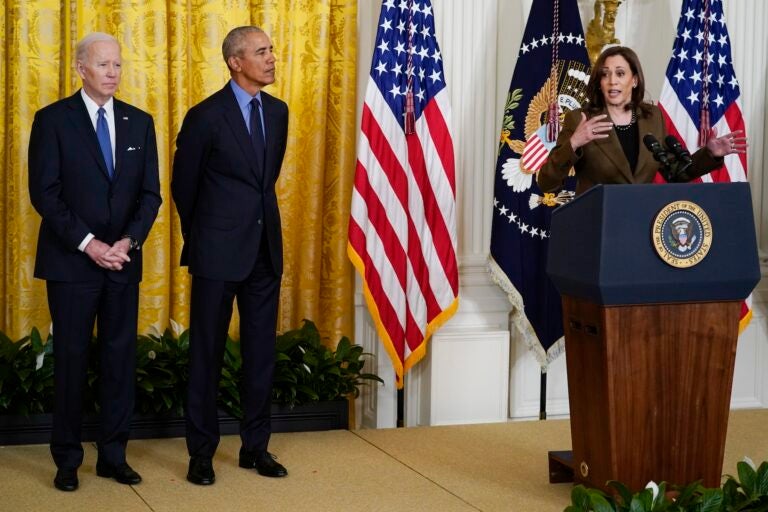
(603, 161)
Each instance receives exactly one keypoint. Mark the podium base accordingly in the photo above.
(560, 466)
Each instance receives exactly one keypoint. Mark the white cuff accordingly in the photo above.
(86, 240)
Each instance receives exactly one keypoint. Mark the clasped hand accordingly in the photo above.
(109, 257)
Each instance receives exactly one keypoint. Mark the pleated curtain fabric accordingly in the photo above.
(171, 52)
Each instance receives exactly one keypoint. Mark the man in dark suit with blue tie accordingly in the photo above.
(93, 178)
(228, 157)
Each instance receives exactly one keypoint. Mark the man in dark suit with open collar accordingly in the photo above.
(228, 157)
(93, 178)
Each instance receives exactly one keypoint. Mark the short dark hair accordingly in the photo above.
(233, 43)
(595, 99)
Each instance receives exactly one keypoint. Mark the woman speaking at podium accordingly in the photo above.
(615, 137)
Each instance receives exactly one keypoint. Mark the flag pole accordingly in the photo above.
(553, 130)
(400, 407)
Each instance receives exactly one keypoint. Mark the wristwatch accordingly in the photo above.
(134, 244)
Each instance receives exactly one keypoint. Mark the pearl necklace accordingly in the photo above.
(625, 127)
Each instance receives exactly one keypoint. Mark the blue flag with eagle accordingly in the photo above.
(549, 79)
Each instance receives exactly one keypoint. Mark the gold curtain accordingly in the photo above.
(171, 60)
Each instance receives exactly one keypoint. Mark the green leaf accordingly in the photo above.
(37, 341)
(598, 501)
(761, 480)
(146, 385)
(4, 340)
(311, 393)
(747, 477)
(645, 498)
(637, 505)
(687, 494)
(580, 497)
(371, 376)
(711, 500)
(623, 490)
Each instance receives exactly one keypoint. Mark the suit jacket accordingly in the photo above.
(71, 190)
(225, 196)
(603, 160)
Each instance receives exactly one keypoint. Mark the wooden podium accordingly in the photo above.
(651, 335)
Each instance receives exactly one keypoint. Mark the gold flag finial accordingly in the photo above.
(602, 29)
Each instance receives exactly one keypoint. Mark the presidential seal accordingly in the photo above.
(682, 234)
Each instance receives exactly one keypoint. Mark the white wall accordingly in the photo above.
(479, 41)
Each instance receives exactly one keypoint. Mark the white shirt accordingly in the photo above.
(109, 114)
(93, 114)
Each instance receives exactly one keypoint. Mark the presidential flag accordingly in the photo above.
(402, 227)
(550, 79)
(701, 90)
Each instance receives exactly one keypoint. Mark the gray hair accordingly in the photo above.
(81, 50)
(235, 40)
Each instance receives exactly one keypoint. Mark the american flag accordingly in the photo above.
(402, 227)
(701, 91)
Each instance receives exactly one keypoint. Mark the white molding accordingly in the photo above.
(750, 384)
(377, 405)
(525, 383)
(470, 372)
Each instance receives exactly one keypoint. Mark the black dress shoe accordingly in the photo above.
(264, 462)
(123, 473)
(66, 480)
(201, 471)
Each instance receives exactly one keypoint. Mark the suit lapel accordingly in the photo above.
(646, 165)
(234, 119)
(611, 148)
(270, 117)
(78, 115)
(122, 127)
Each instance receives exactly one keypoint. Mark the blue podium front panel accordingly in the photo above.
(619, 244)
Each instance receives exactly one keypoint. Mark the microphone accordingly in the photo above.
(654, 146)
(683, 157)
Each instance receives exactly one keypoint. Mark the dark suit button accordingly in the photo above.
(259, 221)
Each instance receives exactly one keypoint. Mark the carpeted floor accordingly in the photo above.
(497, 467)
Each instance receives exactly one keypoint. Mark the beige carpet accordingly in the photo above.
(498, 467)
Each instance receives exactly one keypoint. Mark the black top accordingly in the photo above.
(630, 143)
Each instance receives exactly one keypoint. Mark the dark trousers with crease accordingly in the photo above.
(211, 311)
(75, 307)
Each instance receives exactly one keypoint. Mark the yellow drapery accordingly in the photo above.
(172, 59)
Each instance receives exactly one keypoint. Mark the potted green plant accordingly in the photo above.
(26, 374)
(311, 386)
(748, 493)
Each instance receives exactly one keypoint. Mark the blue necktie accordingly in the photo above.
(102, 133)
(257, 135)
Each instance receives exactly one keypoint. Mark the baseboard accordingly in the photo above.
(530, 410)
(36, 429)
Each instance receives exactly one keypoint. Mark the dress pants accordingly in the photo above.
(74, 307)
(211, 311)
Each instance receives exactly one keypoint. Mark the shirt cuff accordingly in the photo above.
(86, 241)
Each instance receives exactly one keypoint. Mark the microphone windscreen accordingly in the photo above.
(672, 142)
(649, 140)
